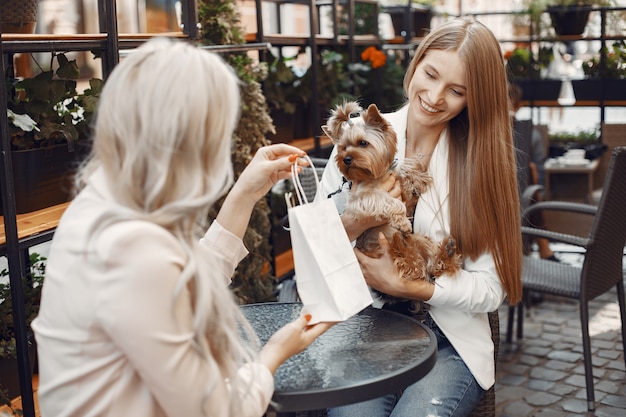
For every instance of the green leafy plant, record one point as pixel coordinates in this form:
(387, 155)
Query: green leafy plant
(47, 109)
(284, 89)
(521, 64)
(221, 25)
(614, 64)
(580, 137)
(31, 285)
(540, 20)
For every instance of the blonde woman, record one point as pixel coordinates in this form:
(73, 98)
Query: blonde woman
(456, 120)
(136, 318)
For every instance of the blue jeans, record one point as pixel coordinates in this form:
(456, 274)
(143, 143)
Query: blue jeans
(449, 390)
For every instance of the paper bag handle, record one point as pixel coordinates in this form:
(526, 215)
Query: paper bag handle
(302, 199)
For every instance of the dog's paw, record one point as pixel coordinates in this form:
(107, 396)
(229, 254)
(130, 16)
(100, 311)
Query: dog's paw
(450, 246)
(448, 261)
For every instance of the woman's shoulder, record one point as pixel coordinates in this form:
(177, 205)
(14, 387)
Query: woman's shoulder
(398, 116)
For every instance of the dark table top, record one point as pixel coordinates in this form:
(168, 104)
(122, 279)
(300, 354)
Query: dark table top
(374, 353)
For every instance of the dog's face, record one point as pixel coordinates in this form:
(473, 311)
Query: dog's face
(366, 147)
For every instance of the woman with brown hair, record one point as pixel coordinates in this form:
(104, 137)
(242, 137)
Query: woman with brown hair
(456, 121)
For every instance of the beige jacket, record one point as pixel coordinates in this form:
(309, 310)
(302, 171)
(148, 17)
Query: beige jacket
(111, 339)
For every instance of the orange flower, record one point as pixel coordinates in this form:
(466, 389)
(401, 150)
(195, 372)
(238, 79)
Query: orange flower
(375, 56)
(508, 54)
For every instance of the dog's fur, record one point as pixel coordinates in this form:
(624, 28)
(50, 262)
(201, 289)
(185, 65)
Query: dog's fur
(366, 150)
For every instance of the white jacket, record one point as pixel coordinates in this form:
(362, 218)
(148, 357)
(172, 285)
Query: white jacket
(111, 339)
(460, 303)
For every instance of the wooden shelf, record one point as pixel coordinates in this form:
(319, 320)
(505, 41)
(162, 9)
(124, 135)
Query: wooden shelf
(16, 403)
(29, 224)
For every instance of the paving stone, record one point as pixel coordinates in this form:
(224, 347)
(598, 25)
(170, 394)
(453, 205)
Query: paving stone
(618, 365)
(513, 380)
(605, 336)
(548, 413)
(509, 394)
(562, 389)
(576, 380)
(574, 406)
(607, 386)
(558, 365)
(599, 362)
(519, 408)
(537, 351)
(541, 399)
(563, 356)
(610, 354)
(608, 412)
(615, 401)
(538, 385)
(529, 360)
(517, 369)
(547, 375)
(616, 376)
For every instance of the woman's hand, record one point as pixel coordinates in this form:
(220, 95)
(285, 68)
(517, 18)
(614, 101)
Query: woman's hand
(270, 164)
(354, 227)
(289, 340)
(382, 275)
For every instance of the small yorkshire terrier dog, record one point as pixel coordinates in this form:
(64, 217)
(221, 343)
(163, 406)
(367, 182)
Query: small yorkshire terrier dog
(366, 149)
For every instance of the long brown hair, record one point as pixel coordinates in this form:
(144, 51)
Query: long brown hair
(484, 199)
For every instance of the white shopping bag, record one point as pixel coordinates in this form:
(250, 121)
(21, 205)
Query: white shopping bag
(328, 276)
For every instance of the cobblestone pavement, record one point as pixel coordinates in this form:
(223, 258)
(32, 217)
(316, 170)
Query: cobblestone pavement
(543, 374)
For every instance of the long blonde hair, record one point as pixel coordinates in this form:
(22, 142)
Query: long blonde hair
(163, 138)
(484, 199)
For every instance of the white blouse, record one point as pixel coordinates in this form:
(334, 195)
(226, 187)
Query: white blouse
(460, 303)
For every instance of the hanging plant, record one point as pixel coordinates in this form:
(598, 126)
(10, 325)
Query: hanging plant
(221, 25)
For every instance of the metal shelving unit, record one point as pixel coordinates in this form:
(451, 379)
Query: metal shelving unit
(16, 240)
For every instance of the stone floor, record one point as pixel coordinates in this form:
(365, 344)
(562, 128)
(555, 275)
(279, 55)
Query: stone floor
(543, 375)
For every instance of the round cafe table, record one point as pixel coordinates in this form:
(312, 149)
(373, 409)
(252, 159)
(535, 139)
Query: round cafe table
(374, 353)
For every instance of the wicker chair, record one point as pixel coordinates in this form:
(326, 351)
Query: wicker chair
(602, 265)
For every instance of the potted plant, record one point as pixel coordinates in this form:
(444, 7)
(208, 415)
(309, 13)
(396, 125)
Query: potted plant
(253, 280)
(527, 72)
(588, 139)
(568, 17)
(32, 296)
(49, 124)
(416, 13)
(285, 94)
(606, 79)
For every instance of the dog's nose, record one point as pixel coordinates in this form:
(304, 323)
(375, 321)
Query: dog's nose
(347, 160)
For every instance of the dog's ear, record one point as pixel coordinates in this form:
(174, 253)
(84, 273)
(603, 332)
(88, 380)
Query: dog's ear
(373, 118)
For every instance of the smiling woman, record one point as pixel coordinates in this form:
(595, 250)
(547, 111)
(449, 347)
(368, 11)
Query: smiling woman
(456, 76)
